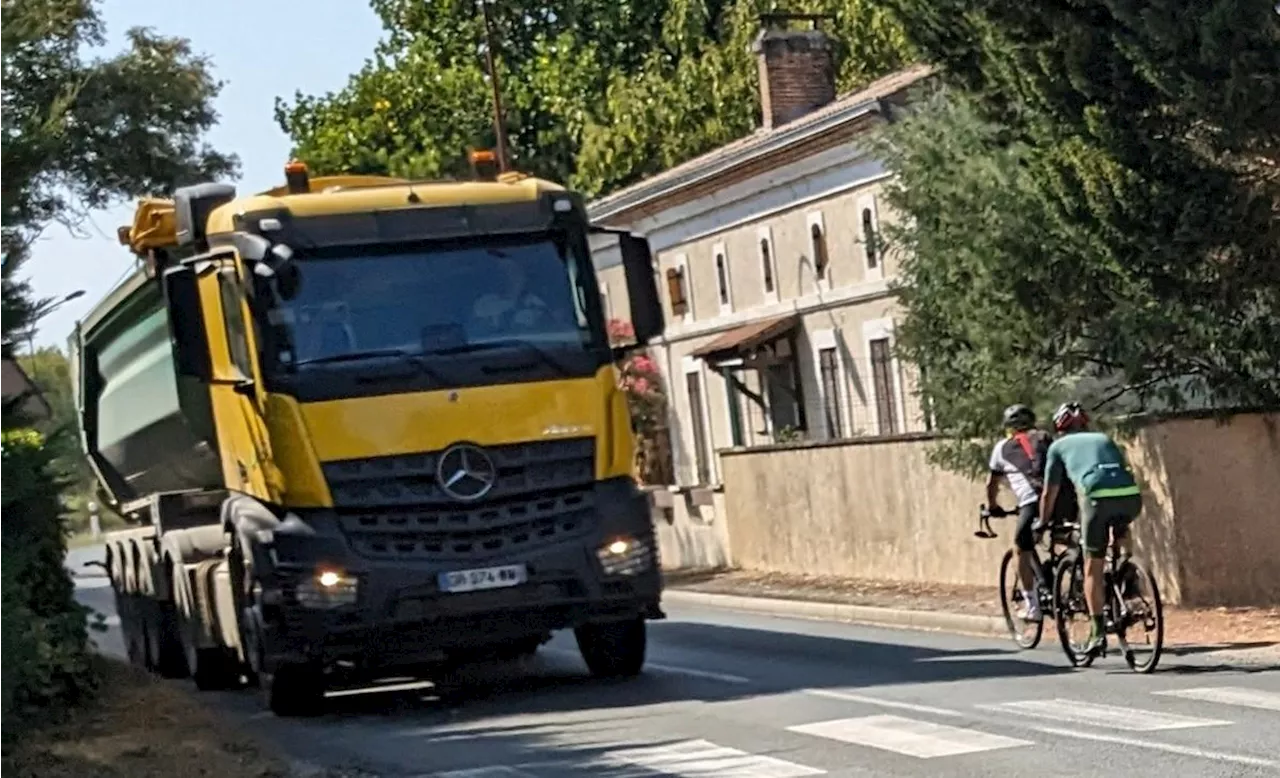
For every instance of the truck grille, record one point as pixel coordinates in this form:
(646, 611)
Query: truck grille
(393, 507)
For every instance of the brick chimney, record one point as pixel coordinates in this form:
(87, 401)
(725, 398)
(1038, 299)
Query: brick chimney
(797, 74)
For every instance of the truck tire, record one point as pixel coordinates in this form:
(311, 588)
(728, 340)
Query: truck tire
(215, 669)
(170, 660)
(135, 640)
(296, 689)
(613, 649)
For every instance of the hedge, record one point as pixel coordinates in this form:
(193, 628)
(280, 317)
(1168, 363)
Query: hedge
(48, 659)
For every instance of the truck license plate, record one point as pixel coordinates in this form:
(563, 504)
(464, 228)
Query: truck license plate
(483, 578)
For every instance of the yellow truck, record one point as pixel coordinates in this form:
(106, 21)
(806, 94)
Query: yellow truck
(367, 426)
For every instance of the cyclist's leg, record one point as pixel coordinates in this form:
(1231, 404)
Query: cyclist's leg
(1025, 542)
(1093, 541)
(1122, 514)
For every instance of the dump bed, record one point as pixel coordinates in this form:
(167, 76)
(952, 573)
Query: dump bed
(143, 428)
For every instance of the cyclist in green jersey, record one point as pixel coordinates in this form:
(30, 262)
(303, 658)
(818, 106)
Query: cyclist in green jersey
(1108, 496)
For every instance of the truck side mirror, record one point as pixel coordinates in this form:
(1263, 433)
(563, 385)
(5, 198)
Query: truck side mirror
(186, 323)
(646, 307)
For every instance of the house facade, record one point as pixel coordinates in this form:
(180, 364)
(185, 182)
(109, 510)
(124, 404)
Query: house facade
(780, 314)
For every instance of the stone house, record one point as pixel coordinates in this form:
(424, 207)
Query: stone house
(780, 314)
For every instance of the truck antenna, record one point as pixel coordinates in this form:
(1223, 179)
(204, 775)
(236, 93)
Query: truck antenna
(499, 127)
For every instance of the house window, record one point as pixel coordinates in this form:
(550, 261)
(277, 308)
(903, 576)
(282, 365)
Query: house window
(701, 450)
(870, 239)
(766, 263)
(722, 279)
(829, 373)
(882, 380)
(733, 396)
(784, 398)
(677, 291)
(821, 259)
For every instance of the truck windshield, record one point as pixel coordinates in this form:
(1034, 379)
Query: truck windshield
(531, 295)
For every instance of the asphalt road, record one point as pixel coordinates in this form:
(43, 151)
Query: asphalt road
(731, 695)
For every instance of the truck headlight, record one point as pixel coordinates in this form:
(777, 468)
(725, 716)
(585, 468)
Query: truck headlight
(328, 588)
(625, 556)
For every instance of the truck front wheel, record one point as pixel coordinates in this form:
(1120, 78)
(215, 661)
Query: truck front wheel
(296, 689)
(613, 649)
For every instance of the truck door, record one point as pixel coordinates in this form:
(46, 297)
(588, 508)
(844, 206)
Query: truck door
(237, 393)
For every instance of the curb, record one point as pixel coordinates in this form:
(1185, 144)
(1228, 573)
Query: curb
(932, 621)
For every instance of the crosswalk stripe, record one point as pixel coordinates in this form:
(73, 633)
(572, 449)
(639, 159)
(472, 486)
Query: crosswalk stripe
(704, 759)
(92, 582)
(922, 739)
(1228, 695)
(1102, 716)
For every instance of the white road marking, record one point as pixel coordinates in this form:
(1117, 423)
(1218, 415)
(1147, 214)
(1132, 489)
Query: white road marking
(695, 673)
(704, 759)
(921, 739)
(92, 582)
(1228, 695)
(1244, 759)
(670, 669)
(387, 687)
(1101, 716)
(497, 771)
(837, 694)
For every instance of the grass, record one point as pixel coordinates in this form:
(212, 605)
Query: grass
(140, 727)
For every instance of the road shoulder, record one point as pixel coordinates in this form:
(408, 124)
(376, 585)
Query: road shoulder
(1248, 635)
(141, 727)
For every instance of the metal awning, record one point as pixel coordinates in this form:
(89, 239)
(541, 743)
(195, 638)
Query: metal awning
(742, 341)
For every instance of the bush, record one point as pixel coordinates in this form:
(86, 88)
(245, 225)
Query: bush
(640, 379)
(47, 654)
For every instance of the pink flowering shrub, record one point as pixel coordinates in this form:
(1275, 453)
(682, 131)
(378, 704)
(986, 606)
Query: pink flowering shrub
(638, 376)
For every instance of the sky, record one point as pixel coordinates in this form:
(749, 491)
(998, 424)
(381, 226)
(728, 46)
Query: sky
(261, 49)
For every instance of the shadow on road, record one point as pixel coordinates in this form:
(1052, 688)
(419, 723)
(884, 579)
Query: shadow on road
(770, 662)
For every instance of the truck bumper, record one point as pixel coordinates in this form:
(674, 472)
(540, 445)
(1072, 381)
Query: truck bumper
(418, 624)
(401, 614)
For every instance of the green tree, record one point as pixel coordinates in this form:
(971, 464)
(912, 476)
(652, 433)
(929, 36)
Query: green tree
(1094, 204)
(50, 370)
(597, 94)
(699, 89)
(78, 134)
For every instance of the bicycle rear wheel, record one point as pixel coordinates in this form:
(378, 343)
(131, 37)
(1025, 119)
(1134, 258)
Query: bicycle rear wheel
(1135, 599)
(1071, 610)
(1025, 633)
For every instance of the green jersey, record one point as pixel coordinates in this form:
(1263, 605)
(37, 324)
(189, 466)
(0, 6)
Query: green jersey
(1092, 462)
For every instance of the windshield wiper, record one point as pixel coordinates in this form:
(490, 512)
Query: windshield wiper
(409, 357)
(357, 356)
(487, 345)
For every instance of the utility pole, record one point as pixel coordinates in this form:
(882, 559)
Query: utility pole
(499, 126)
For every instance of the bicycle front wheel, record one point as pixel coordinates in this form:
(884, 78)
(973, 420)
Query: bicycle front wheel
(1025, 633)
(1073, 622)
(1135, 598)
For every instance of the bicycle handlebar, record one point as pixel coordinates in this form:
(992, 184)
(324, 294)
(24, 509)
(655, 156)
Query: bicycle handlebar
(985, 515)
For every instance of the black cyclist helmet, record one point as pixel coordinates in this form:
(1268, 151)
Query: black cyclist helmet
(1019, 417)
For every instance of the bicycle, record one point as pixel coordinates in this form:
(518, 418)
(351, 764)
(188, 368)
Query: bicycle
(1122, 580)
(1058, 541)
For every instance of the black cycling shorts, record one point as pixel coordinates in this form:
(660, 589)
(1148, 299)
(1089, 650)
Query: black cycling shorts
(1023, 537)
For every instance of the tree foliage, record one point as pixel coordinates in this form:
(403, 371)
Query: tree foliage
(81, 133)
(77, 134)
(597, 94)
(1093, 203)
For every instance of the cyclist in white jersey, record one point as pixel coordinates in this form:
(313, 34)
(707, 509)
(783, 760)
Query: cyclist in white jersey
(1019, 459)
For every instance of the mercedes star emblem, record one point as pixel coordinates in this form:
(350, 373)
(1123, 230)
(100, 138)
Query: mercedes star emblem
(465, 472)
